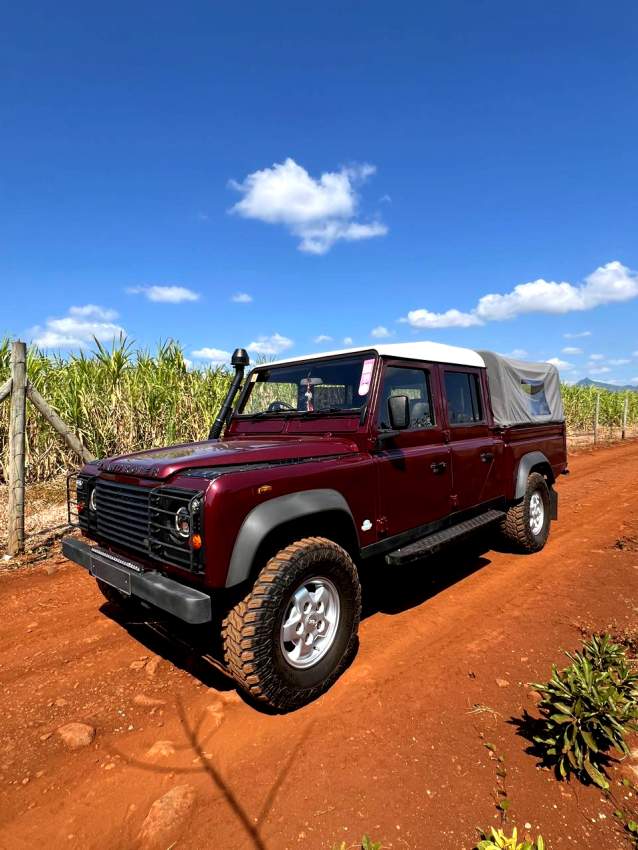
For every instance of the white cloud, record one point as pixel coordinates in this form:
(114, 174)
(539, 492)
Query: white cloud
(165, 294)
(612, 282)
(516, 354)
(633, 380)
(571, 349)
(380, 332)
(322, 338)
(580, 335)
(318, 212)
(450, 319)
(78, 329)
(93, 311)
(242, 298)
(347, 340)
(596, 357)
(274, 344)
(561, 365)
(599, 370)
(215, 355)
(619, 361)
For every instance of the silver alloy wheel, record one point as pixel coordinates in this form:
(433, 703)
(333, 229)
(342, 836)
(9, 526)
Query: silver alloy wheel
(536, 513)
(311, 621)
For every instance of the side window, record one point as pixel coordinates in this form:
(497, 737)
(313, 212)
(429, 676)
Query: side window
(415, 384)
(463, 398)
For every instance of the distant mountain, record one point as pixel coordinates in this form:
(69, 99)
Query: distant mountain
(616, 388)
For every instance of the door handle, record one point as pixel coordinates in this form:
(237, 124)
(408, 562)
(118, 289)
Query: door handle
(438, 467)
(487, 457)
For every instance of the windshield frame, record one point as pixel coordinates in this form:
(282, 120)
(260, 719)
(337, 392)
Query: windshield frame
(282, 415)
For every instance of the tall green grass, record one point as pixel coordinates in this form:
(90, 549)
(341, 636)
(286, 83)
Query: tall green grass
(122, 399)
(116, 399)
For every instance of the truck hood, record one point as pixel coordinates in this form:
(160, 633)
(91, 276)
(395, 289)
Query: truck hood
(162, 463)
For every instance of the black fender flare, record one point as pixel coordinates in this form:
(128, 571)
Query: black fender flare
(525, 465)
(264, 518)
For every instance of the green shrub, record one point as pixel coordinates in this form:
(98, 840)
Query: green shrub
(497, 840)
(588, 708)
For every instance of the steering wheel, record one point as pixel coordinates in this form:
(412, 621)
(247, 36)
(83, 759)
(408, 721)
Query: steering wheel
(276, 406)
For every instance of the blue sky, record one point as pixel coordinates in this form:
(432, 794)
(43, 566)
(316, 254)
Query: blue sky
(352, 168)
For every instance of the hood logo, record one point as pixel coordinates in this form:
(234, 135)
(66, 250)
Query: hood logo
(127, 467)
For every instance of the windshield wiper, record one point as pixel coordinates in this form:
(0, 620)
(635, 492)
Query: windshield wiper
(269, 413)
(322, 410)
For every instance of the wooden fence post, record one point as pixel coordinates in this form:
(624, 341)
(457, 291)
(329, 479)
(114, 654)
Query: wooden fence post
(596, 417)
(625, 411)
(54, 420)
(5, 390)
(17, 426)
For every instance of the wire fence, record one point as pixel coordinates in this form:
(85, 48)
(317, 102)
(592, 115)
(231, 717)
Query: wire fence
(119, 399)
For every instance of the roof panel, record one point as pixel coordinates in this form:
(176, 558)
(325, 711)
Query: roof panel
(433, 352)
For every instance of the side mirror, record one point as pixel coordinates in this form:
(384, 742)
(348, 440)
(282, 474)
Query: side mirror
(399, 411)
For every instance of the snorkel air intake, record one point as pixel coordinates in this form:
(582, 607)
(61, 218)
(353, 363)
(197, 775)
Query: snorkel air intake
(239, 361)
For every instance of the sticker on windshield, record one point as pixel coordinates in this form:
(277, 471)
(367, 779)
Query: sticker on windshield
(366, 376)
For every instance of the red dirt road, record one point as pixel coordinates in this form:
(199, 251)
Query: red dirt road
(395, 749)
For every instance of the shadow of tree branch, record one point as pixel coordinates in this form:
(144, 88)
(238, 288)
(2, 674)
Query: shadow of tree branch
(251, 826)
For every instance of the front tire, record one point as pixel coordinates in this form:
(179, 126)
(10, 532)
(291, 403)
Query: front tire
(527, 523)
(293, 635)
(115, 596)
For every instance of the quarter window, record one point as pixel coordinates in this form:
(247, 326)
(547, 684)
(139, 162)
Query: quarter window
(463, 398)
(413, 383)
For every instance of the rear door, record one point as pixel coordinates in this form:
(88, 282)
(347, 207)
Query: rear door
(475, 450)
(413, 465)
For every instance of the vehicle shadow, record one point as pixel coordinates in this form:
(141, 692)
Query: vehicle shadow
(385, 589)
(391, 590)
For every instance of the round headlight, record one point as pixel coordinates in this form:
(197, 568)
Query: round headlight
(183, 522)
(92, 503)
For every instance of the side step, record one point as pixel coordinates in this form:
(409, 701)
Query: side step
(434, 542)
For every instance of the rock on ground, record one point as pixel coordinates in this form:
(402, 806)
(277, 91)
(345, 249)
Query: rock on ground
(76, 735)
(161, 749)
(167, 818)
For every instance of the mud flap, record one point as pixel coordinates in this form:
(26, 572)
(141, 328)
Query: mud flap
(553, 503)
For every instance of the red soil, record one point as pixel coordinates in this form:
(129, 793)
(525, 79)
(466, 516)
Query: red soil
(395, 749)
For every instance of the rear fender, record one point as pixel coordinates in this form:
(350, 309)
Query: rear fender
(532, 461)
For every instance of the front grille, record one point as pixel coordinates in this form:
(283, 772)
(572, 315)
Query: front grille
(142, 520)
(122, 514)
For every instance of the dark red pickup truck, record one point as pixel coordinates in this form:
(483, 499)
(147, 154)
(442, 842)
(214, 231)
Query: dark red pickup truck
(326, 462)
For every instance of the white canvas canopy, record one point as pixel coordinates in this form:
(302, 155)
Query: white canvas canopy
(523, 393)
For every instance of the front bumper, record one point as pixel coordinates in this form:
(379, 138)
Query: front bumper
(185, 602)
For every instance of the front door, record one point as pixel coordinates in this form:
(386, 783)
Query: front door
(414, 471)
(476, 451)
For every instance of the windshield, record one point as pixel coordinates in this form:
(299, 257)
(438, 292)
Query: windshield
(319, 386)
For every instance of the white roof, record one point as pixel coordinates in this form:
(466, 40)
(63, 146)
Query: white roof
(433, 352)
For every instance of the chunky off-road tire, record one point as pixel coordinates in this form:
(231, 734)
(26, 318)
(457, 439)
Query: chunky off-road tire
(254, 648)
(526, 524)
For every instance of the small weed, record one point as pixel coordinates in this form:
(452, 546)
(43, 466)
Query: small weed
(366, 844)
(500, 792)
(588, 708)
(496, 839)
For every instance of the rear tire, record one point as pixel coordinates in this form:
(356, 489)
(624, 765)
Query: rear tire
(527, 523)
(293, 635)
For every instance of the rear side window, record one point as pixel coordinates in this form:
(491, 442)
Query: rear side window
(463, 398)
(536, 399)
(413, 383)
